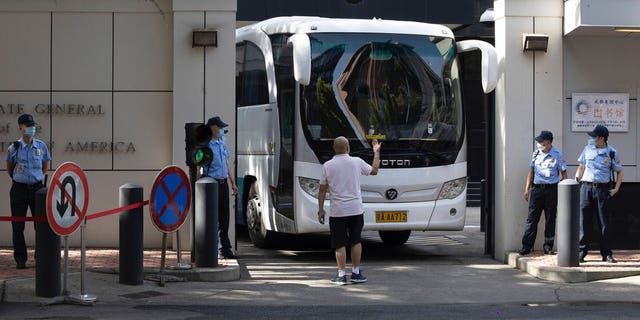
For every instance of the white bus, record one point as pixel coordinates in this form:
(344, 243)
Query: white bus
(303, 81)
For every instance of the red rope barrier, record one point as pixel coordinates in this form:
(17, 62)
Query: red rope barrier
(23, 219)
(89, 217)
(116, 210)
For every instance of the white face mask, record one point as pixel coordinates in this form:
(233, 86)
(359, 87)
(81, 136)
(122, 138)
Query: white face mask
(591, 141)
(539, 146)
(30, 131)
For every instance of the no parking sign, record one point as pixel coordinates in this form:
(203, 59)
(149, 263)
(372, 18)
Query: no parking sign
(170, 199)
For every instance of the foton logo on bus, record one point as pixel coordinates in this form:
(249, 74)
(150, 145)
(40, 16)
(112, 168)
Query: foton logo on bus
(395, 163)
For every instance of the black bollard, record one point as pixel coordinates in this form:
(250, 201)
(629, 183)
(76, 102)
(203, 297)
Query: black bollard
(568, 224)
(47, 251)
(131, 236)
(206, 230)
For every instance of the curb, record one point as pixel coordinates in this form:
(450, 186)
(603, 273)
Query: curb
(539, 270)
(230, 271)
(227, 271)
(105, 282)
(3, 290)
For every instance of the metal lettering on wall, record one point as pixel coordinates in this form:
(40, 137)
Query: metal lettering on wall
(11, 111)
(99, 146)
(76, 109)
(41, 108)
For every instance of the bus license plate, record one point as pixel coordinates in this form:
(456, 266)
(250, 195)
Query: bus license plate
(391, 216)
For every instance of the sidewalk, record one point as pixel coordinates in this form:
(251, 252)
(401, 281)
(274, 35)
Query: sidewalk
(473, 276)
(546, 266)
(107, 261)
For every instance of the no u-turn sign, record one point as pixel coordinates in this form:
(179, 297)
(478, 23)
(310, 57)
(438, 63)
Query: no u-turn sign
(67, 199)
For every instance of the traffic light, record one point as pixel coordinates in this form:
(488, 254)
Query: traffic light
(197, 144)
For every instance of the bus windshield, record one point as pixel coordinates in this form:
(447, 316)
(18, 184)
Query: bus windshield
(401, 89)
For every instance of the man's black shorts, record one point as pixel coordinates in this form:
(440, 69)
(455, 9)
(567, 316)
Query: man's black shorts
(345, 230)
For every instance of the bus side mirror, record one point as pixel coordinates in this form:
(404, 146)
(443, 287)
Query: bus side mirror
(301, 57)
(489, 61)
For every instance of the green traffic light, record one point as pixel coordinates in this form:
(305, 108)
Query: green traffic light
(197, 148)
(199, 156)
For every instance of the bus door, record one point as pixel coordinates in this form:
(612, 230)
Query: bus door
(282, 194)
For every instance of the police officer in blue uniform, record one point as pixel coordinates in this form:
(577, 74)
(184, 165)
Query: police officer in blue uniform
(597, 162)
(547, 168)
(220, 170)
(27, 162)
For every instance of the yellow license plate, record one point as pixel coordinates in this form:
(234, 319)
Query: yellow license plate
(391, 216)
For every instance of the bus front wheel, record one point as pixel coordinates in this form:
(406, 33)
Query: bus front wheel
(259, 235)
(394, 238)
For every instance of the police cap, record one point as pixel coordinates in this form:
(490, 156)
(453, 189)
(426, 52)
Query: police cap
(27, 120)
(544, 135)
(217, 122)
(599, 131)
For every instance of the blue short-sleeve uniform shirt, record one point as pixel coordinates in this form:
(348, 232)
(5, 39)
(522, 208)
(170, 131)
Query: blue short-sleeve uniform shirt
(547, 167)
(218, 167)
(598, 163)
(27, 160)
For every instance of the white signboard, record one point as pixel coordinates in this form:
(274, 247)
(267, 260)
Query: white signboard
(608, 109)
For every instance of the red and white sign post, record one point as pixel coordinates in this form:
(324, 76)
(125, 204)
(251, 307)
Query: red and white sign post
(67, 203)
(169, 207)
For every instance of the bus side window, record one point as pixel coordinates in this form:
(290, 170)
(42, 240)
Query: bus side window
(251, 76)
(239, 71)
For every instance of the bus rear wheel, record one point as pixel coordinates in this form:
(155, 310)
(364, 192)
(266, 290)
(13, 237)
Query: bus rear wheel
(260, 236)
(394, 238)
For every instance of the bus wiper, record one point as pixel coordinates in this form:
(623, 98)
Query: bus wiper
(396, 152)
(361, 152)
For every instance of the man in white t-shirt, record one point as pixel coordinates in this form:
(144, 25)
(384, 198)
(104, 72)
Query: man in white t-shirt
(341, 177)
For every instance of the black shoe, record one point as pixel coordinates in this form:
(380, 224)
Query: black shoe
(228, 255)
(524, 252)
(358, 277)
(21, 265)
(549, 252)
(609, 259)
(582, 256)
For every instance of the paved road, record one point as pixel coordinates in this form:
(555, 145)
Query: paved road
(442, 275)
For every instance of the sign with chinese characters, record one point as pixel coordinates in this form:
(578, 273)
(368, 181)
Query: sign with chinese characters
(608, 109)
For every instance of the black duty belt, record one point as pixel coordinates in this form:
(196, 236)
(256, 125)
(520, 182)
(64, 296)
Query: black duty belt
(30, 186)
(596, 184)
(221, 181)
(545, 185)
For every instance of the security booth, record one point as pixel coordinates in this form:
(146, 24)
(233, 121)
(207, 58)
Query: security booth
(600, 86)
(554, 54)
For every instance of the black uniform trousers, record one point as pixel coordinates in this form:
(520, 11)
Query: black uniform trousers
(223, 215)
(541, 197)
(22, 197)
(594, 199)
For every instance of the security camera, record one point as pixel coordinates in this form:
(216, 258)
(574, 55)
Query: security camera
(487, 17)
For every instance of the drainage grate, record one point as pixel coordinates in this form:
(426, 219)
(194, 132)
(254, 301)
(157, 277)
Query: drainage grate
(422, 240)
(61, 318)
(143, 294)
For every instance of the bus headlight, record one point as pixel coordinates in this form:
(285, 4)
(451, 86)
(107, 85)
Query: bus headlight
(310, 186)
(453, 188)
